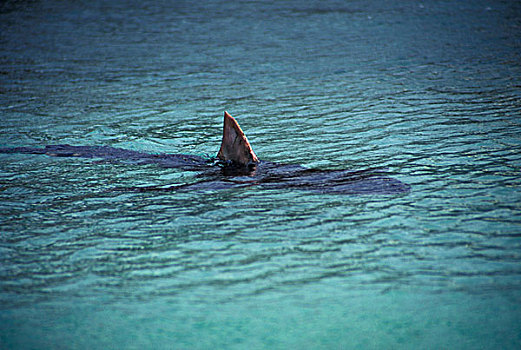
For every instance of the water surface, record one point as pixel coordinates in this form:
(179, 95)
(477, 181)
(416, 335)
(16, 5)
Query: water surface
(430, 91)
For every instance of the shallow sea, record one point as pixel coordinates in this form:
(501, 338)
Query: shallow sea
(430, 90)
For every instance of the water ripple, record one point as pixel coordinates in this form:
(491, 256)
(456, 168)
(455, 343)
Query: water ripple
(440, 114)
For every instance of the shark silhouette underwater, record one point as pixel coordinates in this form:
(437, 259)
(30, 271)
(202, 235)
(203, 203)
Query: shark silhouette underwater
(236, 165)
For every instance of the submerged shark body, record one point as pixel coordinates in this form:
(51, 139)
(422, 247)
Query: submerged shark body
(236, 165)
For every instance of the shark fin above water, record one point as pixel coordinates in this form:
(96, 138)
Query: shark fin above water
(235, 148)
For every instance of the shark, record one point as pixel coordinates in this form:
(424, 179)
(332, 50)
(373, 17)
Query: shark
(236, 165)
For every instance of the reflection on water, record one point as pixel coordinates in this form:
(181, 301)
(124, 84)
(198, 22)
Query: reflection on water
(430, 92)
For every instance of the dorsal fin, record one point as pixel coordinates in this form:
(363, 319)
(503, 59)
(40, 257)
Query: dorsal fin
(235, 147)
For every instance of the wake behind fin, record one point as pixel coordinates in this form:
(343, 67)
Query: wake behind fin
(235, 147)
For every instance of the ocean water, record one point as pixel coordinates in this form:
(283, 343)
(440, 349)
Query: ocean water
(430, 91)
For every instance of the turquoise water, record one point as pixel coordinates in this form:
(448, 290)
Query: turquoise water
(430, 91)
